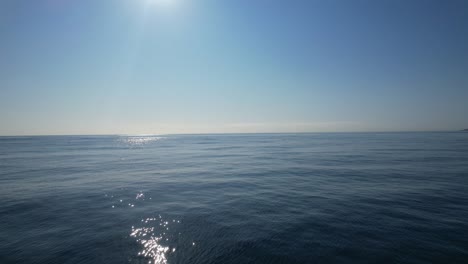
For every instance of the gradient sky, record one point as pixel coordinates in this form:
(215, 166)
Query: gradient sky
(213, 66)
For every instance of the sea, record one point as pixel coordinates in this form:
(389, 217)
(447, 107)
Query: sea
(235, 198)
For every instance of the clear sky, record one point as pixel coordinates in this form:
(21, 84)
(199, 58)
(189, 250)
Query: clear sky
(213, 66)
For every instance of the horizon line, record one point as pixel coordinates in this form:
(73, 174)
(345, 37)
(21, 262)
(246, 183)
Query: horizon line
(234, 133)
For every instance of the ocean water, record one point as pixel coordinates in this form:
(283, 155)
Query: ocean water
(245, 198)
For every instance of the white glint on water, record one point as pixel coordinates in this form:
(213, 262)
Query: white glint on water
(147, 236)
(139, 140)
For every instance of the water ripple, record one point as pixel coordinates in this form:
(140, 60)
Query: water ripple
(151, 236)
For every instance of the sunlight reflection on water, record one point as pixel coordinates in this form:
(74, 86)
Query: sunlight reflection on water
(140, 140)
(148, 237)
(152, 233)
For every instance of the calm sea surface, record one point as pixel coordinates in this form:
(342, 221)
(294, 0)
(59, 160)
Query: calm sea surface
(263, 198)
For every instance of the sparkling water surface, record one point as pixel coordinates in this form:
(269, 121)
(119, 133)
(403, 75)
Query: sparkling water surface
(245, 198)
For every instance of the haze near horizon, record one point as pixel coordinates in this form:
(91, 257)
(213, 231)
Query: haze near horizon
(206, 66)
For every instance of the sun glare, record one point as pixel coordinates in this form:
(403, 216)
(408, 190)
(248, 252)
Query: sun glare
(161, 2)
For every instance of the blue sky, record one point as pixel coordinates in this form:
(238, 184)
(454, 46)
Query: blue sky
(219, 66)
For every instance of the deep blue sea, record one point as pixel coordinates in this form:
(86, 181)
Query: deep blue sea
(240, 198)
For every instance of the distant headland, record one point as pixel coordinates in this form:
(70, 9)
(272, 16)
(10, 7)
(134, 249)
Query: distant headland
(465, 130)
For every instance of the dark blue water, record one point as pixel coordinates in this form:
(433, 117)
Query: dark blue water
(271, 198)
